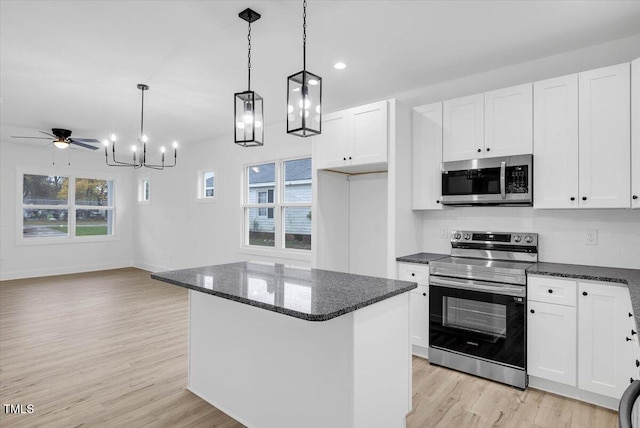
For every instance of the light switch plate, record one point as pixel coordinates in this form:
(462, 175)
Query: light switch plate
(591, 237)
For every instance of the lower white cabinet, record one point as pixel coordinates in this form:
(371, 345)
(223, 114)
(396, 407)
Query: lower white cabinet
(551, 342)
(588, 342)
(419, 301)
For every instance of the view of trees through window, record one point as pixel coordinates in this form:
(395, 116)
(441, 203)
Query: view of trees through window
(66, 206)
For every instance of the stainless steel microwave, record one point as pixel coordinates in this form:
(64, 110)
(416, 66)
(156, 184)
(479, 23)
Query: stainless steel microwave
(489, 181)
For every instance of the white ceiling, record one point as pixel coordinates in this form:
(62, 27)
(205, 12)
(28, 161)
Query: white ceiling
(75, 64)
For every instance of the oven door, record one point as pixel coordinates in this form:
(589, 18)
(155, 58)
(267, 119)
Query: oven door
(479, 319)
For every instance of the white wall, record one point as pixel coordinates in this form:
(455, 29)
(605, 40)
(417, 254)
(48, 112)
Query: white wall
(22, 261)
(176, 231)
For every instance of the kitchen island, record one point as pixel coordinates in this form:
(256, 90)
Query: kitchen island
(275, 345)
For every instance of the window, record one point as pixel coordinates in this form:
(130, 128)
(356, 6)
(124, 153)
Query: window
(277, 205)
(206, 185)
(66, 207)
(144, 190)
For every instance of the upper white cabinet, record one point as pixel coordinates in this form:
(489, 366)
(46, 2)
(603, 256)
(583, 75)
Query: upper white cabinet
(508, 121)
(555, 148)
(496, 123)
(426, 154)
(353, 140)
(581, 140)
(463, 128)
(635, 133)
(604, 123)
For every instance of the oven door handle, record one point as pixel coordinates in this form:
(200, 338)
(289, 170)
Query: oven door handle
(473, 285)
(503, 181)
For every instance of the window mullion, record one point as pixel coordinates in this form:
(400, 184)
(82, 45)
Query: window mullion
(71, 200)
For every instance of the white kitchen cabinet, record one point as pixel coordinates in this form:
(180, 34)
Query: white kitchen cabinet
(606, 344)
(551, 342)
(604, 123)
(555, 147)
(635, 133)
(419, 301)
(581, 140)
(426, 154)
(463, 120)
(353, 140)
(508, 121)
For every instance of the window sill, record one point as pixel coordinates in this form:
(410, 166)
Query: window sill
(65, 240)
(301, 256)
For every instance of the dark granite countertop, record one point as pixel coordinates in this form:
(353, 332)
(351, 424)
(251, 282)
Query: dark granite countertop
(305, 293)
(615, 276)
(422, 258)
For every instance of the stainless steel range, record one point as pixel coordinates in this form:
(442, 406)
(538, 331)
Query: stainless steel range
(477, 314)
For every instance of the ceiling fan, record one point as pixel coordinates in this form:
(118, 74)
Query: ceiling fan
(62, 139)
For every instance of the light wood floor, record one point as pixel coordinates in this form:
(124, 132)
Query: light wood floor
(109, 349)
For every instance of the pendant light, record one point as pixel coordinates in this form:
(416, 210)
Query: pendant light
(247, 111)
(304, 94)
(138, 161)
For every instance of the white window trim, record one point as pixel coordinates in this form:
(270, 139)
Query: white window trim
(200, 188)
(141, 181)
(72, 174)
(278, 251)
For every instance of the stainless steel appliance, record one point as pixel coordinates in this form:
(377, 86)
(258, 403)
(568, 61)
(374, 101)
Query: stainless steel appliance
(477, 313)
(488, 181)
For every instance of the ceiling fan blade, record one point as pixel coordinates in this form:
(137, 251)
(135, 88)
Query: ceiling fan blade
(47, 133)
(86, 146)
(86, 140)
(33, 138)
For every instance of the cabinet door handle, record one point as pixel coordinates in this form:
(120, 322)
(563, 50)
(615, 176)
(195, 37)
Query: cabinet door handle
(344, 158)
(424, 294)
(628, 339)
(635, 196)
(437, 201)
(630, 314)
(573, 198)
(349, 157)
(532, 311)
(630, 380)
(488, 149)
(413, 274)
(584, 198)
(637, 363)
(584, 293)
(633, 332)
(479, 150)
(550, 291)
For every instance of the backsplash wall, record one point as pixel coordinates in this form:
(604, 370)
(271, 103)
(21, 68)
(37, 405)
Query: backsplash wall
(561, 233)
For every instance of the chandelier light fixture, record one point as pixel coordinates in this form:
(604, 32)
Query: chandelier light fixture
(304, 94)
(247, 111)
(139, 160)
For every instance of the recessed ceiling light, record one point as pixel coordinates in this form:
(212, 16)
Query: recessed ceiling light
(339, 65)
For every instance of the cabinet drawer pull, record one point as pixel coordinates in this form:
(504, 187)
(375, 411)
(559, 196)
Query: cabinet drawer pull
(628, 339)
(424, 294)
(349, 157)
(573, 198)
(633, 332)
(550, 291)
(479, 150)
(413, 274)
(344, 158)
(637, 363)
(488, 149)
(584, 198)
(635, 196)
(437, 201)
(532, 311)
(584, 293)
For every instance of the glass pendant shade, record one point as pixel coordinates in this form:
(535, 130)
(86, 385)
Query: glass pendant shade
(248, 119)
(304, 104)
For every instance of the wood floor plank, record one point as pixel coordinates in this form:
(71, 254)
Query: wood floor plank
(109, 348)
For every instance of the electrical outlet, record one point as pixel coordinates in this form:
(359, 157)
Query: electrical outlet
(444, 232)
(591, 237)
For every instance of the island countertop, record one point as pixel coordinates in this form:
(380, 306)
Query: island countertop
(305, 293)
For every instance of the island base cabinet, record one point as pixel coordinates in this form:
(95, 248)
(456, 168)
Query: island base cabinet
(551, 342)
(267, 369)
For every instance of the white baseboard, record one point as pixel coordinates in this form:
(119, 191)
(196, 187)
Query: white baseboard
(420, 351)
(573, 392)
(150, 267)
(61, 270)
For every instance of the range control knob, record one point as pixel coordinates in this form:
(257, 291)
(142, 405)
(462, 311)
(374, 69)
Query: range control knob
(517, 238)
(467, 236)
(456, 235)
(528, 239)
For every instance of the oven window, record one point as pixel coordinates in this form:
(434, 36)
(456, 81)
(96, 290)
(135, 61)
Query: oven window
(484, 181)
(486, 318)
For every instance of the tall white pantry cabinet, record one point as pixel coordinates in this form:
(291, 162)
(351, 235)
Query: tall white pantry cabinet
(635, 133)
(582, 140)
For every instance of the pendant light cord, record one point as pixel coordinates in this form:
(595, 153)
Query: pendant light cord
(304, 35)
(249, 59)
(142, 116)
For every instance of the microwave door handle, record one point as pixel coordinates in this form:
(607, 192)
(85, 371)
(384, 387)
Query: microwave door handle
(503, 184)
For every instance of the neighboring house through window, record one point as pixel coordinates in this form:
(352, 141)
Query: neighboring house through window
(278, 204)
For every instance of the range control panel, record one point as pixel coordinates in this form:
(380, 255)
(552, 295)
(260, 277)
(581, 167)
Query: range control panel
(506, 238)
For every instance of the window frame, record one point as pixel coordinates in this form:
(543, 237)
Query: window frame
(275, 208)
(70, 206)
(201, 188)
